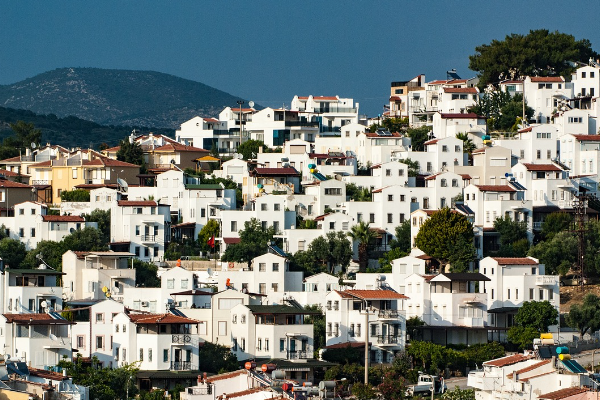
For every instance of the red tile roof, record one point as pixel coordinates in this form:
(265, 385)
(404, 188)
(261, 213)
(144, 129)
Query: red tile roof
(12, 159)
(505, 361)
(531, 367)
(535, 376)
(174, 147)
(374, 294)
(136, 203)
(109, 162)
(244, 392)
(62, 218)
(563, 393)
(345, 345)
(465, 176)
(330, 98)
(232, 240)
(587, 138)
(461, 116)
(460, 90)
(542, 167)
(547, 79)
(515, 261)
(34, 319)
(160, 319)
(321, 217)
(495, 188)
(276, 171)
(528, 129)
(212, 120)
(51, 375)
(456, 81)
(10, 173)
(432, 141)
(42, 164)
(227, 375)
(10, 184)
(432, 177)
(395, 98)
(437, 82)
(375, 135)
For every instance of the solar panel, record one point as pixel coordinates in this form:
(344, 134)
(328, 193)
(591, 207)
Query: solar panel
(177, 312)
(574, 366)
(55, 315)
(517, 185)
(544, 352)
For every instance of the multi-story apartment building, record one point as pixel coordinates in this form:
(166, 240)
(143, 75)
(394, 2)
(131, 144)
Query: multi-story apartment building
(374, 316)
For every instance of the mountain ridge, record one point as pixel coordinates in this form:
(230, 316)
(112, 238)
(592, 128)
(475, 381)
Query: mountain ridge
(116, 96)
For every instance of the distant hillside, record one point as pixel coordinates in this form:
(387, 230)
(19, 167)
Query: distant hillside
(70, 131)
(116, 97)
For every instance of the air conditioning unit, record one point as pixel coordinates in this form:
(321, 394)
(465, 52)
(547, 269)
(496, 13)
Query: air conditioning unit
(145, 304)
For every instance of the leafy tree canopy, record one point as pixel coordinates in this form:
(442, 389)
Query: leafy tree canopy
(585, 317)
(207, 232)
(364, 235)
(418, 137)
(513, 237)
(102, 217)
(12, 252)
(533, 318)
(356, 193)
(447, 236)
(131, 153)
(559, 254)
(539, 53)
(76, 195)
(254, 242)
(146, 273)
(393, 124)
(413, 166)
(216, 358)
(555, 223)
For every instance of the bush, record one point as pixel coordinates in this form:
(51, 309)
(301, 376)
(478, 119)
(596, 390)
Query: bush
(76, 195)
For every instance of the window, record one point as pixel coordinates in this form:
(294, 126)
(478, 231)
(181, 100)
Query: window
(21, 211)
(516, 294)
(508, 294)
(263, 207)
(266, 344)
(282, 345)
(259, 344)
(33, 211)
(170, 283)
(141, 354)
(388, 172)
(444, 149)
(429, 166)
(344, 226)
(444, 183)
(234, 344)
(100, 317)
(359, 217)
(165, 355)
(275, 267)
(137, 251)
(124, 328)
(402, 218)
(137, 230)
(332, 225)
(21, 232)
(124, 353)
(262, 267)
(274, 287)
(390, 218)
(372, 218)
(184, 283)
(402, 197)
(492, 294)
(32, 232)
(333, 191)
(117, 328)
(99, 342)
(400, 172)
(156, 251)
(233, 226)
(262, 288)
(222, 328)
(276, 207)
(541, 295)
(390, 197)
(443, 202)
(81, 342)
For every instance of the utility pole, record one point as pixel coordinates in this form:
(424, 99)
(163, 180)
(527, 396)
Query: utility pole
(580, 205)
(240, 103)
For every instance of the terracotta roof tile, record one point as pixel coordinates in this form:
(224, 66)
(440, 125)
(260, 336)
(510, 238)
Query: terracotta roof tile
(530, 368)
(10, 184)
(495, 188)
(375, 135)
(10, 173)
(62, 218)
(587, 138)
(563, 393)
(547, 79)
(51, 375)
(109, 162)
(535, 376)
(226, 375)
(332, 98)
(136, 203)
(244, 392)
(35, 319)
(460, 90)
(515, 261)
(174, 147)
(542, 167)
(505, 361)
(160, 319)
(432, 141)
(374, 294)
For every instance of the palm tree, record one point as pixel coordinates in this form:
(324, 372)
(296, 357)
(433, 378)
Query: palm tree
(362, 234)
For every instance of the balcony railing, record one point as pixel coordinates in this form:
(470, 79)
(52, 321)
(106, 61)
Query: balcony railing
(537, 225)
(40, 182)
(300, 355)
(546, 280)
(388, 314)
(200, 390)
(387, 339)
(148, 238)
(181, 339)
(182, 366)
(302, 124)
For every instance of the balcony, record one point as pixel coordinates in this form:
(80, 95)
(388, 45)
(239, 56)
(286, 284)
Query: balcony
(302, 124)
(546, 280)
(182, 366)
(300, 355)
(199, 390)
(40, 182)
(388, 314)
(537, 225)
(181, 339)
(148, 238)
(388, 340)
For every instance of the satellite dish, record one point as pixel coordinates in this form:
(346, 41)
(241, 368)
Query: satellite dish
(42, 266)
(72, 230)
(44, 304)
(116, 290)
(209, 271)
(33, 145)
(251, 103)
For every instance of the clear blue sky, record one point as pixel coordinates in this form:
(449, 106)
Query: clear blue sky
(268, 51)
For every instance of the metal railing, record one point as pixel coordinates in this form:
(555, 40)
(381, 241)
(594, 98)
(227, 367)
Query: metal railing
(387, 339)
(181, 339)
(302, 124)
(182, 366)
(200, 390)
(388, 314)
(300, 354)
(148, 238)
(36, 182)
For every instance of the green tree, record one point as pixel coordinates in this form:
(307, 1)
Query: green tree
(459, 394)
(402, 239)
(413, 166)
(418, 137)
(392, 124)
(86, 239)
(539, 53)
(585, 317)
(555, 223)
(513, 237)
(392, 387)
(250, 148)
(468, 145)
(132, 153)
(254, 242)
(76, 195)
(146, 273)
(477, 354)
(532, 319)
(345, 355)
(558, 254)
(318, 323)
(412, 327)
(356, 193)
(216, 358)
(12, 252)
(364, 235)
(440, 233)
(363, 391)
(27, 134)
(211, 229)
(50, 251)
(102, 217)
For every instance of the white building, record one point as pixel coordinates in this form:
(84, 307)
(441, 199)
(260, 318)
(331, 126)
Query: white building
(544, 95)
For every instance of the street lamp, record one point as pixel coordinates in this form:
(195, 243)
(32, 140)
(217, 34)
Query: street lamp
(367, 311)
(335, 386)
